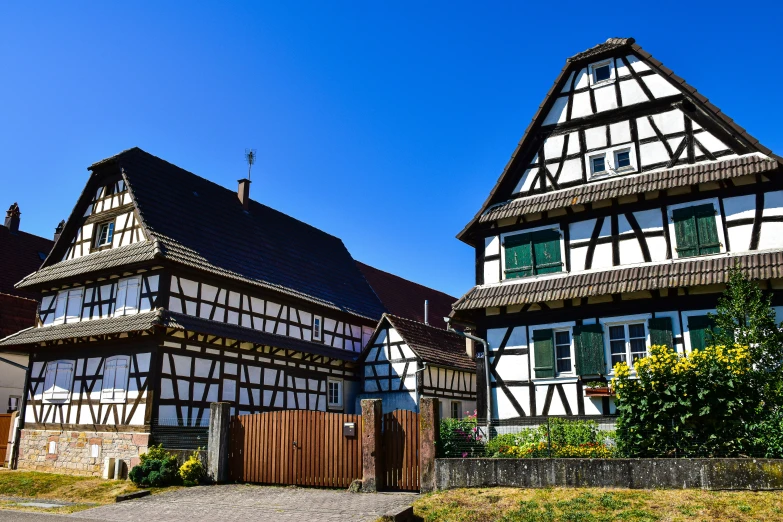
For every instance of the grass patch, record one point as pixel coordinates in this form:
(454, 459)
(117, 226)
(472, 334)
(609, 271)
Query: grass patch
(84, 492)
(597, 505)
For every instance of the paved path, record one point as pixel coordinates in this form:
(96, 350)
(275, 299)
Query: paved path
(245, 502)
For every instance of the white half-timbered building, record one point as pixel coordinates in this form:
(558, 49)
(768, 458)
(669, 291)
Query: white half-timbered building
(613, 227)
(165, 292)
(406, 360)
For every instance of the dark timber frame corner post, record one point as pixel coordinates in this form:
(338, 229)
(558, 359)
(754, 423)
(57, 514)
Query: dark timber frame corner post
(217, 452)
(429, 431)
(372, 474)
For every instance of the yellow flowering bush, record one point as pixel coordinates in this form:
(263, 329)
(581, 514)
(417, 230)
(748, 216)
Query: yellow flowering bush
(685, 405)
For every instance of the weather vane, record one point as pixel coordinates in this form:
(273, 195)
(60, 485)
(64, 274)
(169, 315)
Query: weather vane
(250, 156)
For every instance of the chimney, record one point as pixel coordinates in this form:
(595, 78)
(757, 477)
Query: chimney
(59, 230)
(426, 312)
(244, 193)
(12, 218)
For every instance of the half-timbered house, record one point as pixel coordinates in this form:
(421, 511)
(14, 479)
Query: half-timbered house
(406, 360)
(614, 227)
(166, 292)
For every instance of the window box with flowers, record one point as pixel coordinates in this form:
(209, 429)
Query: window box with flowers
(598, 389)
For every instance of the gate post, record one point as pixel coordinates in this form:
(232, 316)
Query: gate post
(372, 474)
(429, 432)
(217, 449)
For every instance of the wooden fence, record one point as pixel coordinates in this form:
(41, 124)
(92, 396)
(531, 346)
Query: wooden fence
(296, 447)
(401, 450)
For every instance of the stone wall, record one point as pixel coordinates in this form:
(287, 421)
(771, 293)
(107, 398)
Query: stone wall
(713, 474)
(74, 451)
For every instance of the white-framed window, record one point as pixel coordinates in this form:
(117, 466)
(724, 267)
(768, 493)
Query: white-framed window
(68, 305)
(622, 160)
(105, 234)
(115, 379)
(95, 450)
(627, 342)
(128, 294)
(602, 72)
(334, 393)
(456, 409)
(52, 447)
(598, 164)
(564, 360)
(318, 324)
(57, 382)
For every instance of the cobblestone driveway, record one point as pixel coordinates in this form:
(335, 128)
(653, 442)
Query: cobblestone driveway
(259, 503)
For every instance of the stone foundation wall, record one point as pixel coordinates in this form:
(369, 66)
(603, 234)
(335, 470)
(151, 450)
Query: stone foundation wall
(73, 451)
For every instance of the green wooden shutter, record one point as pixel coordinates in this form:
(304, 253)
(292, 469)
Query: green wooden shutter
(519, 256)
(707, 229)
(546, 251)
(661, 331)
(544, 352)
(589, 345)
(685, 232)
(699, 330)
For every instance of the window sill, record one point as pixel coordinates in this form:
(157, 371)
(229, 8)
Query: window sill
(602, 83)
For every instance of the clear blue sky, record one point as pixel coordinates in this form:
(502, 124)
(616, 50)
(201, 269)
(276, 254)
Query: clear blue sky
(383, 123)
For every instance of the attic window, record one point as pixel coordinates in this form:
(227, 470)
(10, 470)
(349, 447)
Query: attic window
(601, 72)
(597, 164)
(105, 234)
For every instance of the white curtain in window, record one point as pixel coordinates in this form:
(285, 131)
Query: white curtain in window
(59, 307)
(127, 296)
(73, 311)
(57, 383)
(115, 378)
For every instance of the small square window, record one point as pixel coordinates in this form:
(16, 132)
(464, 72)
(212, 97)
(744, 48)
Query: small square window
(105, 234)
(622, 159)
(602, 73)
(598, 164)
(52, 447)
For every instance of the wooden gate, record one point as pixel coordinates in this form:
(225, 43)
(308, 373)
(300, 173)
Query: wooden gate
(5, 434)
(295, 447)
(401, 450)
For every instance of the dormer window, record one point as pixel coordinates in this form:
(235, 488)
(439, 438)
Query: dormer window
(598, 164)
(601, 72)
(105, 234)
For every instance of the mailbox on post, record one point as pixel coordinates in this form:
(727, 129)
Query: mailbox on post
(349, 429)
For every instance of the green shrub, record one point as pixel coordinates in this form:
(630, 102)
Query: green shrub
(158, 469)
(192, 471)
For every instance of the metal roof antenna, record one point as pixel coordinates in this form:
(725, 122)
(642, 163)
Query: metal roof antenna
(250, 157)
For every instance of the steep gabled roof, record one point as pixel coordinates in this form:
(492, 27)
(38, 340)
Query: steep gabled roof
(194, 222)
(405, 298)
(432, 345)
(505, 183)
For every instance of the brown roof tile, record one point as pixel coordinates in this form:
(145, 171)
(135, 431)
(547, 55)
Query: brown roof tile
(673, 274)
(405, 298)
(628, 185)
(433, 345)
(22, 254)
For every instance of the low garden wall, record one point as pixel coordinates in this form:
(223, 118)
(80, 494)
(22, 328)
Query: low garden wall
(714, 473)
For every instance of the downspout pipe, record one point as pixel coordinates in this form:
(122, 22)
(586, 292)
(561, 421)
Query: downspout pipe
(486, 367)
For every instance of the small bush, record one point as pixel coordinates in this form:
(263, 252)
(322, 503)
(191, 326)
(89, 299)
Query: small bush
(158, 469)
(192, 471)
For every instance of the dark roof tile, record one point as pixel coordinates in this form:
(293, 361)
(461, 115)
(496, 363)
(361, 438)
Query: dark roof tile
(433, 345)
(21, 255)
(673, 274)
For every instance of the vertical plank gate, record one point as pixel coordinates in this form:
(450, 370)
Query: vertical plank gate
(401, 450)
(5, 434)
(295, 447)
